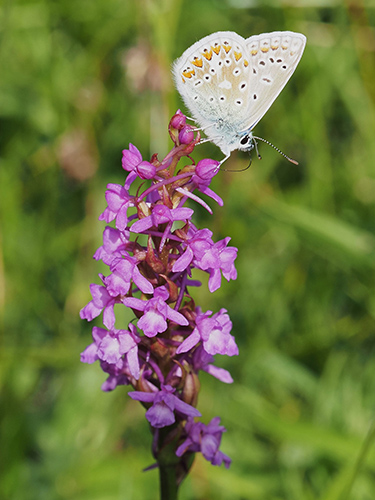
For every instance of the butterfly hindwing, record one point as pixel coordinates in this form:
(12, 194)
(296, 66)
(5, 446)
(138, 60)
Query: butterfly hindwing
(273, 59)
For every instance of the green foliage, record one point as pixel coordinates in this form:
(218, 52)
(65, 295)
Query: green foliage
(79, 81)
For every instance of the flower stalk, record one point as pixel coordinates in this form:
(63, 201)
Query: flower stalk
(151, 249)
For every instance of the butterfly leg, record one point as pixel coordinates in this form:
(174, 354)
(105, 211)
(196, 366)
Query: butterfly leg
(203, 129)
(223, 160)
(206, 139)
(191, 119)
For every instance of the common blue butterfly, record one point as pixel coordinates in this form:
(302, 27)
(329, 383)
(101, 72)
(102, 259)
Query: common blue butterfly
(228, 82)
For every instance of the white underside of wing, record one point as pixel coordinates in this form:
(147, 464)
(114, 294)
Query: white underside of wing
(228, 83)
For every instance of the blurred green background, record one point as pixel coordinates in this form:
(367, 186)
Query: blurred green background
(78, 82)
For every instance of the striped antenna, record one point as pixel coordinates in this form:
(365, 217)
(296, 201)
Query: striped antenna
(274, 147)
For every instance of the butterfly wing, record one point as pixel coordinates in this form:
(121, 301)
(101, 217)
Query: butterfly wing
(273, 59)
(212, 77)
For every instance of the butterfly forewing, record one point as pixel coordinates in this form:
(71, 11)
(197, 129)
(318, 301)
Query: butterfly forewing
(212, 76)
(273, 58)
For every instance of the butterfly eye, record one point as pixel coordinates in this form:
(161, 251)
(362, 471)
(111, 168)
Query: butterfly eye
(245, 140)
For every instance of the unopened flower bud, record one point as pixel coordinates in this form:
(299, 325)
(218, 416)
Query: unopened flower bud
(186, 135)
(131, 158)
(146, 170)
(206, 169)
(191, 389)
(178, 120)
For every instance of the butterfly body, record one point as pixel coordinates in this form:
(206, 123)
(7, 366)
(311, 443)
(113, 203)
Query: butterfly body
(228, 82)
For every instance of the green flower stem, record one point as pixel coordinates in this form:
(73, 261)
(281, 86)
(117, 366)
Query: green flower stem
(168, 482)
(172, 469)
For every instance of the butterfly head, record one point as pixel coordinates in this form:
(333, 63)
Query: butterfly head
(245, 142)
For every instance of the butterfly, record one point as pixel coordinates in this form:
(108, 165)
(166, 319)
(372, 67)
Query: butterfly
(228, 82)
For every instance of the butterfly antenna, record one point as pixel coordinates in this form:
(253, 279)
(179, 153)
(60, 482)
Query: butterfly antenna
(274, 147)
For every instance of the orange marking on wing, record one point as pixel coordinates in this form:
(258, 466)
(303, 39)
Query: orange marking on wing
(274, 47)
(237, 55)
(197, 61)
(207, 54)
(216, 49)
(246, 63)
(183, 79)
(264, 49)
(254, 52)
(227, 48)
(188, 74)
